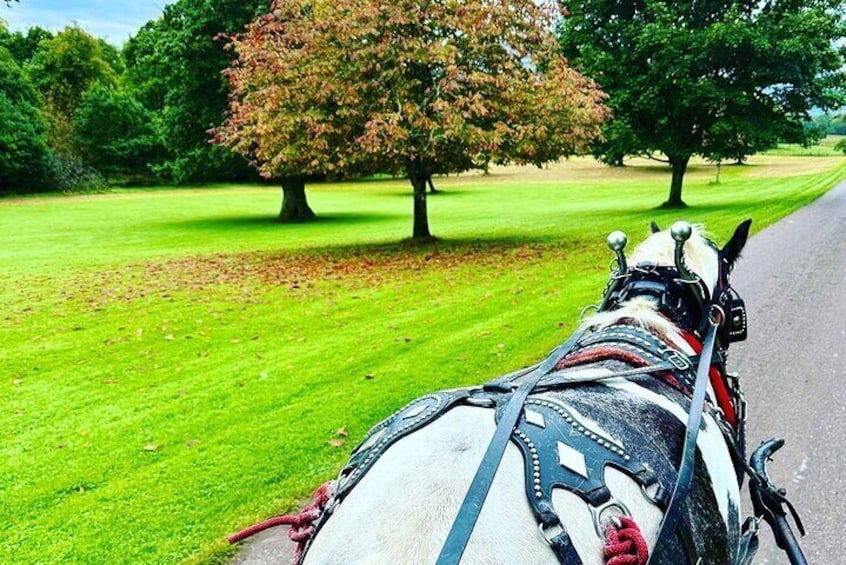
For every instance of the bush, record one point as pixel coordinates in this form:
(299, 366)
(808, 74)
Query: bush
(70, 175)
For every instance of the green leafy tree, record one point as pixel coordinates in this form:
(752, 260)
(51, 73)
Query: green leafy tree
(716, 78)
(113, 132)
(24, 156)
(67, 65)
(23, 46)
(174, 67)
(413, 87)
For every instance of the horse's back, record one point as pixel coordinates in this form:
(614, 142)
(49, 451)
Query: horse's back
(403, 507)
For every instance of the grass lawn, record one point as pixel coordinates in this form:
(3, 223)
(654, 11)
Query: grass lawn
(174, 363)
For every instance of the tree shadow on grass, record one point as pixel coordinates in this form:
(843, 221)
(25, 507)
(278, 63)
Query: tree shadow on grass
(261, 222)
(441, 193)
(461, 246)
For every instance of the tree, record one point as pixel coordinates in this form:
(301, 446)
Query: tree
(113, 132)
(716, 78)
(23, 46)
(412, 86)
(24, 156)
(67, 65)
(174, 68)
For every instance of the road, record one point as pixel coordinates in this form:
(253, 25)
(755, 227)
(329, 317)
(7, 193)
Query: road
(793, 278)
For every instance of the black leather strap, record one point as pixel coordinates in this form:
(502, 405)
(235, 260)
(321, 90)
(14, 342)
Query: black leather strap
(688, 461)
(471, 507)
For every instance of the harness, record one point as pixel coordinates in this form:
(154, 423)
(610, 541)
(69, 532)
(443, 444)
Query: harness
(548, 432)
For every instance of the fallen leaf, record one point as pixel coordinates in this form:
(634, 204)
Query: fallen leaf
(169, 337)
(336, 442)
(17, 382)
(192, 443)
(151, 447)
(343, 432)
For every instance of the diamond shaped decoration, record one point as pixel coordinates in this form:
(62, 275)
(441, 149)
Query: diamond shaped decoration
(416, 411)
(372, 440)
(535, 418)
(572, 459)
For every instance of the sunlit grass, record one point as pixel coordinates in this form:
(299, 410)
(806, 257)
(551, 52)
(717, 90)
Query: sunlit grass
(174, 362)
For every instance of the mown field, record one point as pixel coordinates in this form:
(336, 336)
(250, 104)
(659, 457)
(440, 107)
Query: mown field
(176, 365)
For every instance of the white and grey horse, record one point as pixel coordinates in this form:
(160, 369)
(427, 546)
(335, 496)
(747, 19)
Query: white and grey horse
(598, 444)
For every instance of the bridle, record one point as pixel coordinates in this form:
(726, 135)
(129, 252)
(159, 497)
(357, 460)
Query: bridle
(679, 293)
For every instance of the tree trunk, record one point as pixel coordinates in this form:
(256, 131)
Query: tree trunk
(431, 184)
(421, 217)
(679, 165)
(294, 204)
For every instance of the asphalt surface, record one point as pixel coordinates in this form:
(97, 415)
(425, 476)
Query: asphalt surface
(793, 278)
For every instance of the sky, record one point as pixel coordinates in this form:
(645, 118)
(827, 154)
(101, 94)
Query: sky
(113, 20)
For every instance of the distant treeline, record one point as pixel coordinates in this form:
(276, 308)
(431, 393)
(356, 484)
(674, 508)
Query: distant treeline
(830, 123)
(77, 113)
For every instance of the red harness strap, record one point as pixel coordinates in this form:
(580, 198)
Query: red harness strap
(604, 353)
(717, 383)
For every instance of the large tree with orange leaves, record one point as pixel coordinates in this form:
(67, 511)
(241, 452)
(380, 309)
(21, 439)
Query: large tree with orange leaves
(417, 87)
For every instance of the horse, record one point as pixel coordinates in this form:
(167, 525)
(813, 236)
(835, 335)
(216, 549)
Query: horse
(620, 449)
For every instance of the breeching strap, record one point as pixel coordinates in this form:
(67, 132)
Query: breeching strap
(471, 507)
(688, 461)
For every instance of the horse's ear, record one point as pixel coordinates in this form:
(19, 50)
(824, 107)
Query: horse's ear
(731, 251)
(654, 226)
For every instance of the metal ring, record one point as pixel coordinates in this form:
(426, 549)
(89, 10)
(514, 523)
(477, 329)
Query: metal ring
(598, 523)
(717, 315)
(648, 496)
(543, 531)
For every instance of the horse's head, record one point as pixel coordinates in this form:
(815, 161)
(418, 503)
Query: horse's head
(681, 274)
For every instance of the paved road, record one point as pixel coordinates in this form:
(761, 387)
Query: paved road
(793, 366)
(793, 278)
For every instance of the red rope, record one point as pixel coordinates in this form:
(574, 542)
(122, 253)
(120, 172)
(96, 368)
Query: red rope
(302, 524)
(624, 544)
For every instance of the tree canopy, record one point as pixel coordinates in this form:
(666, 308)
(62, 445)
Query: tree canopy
(413, 87)
(113, 132)
(24, 156)
(67, 65)
(719, 78)
(174, 66)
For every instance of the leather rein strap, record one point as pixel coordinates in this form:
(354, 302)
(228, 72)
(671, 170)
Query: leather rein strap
(471, 507)
(688, 462)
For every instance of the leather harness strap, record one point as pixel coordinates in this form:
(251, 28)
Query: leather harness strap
(471, 507)
(468, 513)
(688, 461)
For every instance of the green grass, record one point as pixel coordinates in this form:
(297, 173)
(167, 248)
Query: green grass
(175, 362)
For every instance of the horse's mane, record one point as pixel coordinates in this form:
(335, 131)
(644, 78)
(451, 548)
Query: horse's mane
(659, 249)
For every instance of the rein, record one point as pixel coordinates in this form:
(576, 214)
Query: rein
(688, 460)
(471, 507)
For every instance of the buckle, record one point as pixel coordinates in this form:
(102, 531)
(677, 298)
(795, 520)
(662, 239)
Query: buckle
(678, 360)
